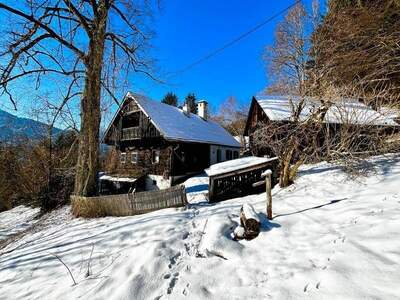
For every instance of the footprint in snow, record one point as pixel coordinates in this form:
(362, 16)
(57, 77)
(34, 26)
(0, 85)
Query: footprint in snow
(185, 291)
(172, 283)
(173, 260)
(185, 235)
(343, 238)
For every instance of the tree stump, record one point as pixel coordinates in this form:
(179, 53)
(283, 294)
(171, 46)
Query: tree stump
(249, 221)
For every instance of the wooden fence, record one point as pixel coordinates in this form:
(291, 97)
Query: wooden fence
(128, 204)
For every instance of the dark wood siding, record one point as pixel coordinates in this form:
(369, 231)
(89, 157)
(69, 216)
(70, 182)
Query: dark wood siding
(130, 124)
(145, 163)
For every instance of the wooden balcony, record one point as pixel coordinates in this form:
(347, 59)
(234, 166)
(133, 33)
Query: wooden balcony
(131, 133)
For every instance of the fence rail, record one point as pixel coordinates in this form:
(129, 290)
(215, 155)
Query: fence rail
(240, 182)
(128, 204)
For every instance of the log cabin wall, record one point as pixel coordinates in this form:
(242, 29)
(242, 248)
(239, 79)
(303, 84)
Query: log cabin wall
(136, 162)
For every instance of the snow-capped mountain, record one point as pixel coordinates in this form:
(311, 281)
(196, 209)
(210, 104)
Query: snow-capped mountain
(12, 128)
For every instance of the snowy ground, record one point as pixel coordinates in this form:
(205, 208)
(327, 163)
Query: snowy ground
(16, 220)
(331, 238)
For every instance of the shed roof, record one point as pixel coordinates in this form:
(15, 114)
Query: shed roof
(175, 125)
(349, 111)
(237, 164)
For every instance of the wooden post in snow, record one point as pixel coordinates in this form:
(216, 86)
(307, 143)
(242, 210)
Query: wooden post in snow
(267, 174)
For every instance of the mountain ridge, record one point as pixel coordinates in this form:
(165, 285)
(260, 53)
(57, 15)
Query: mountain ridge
(13, 128)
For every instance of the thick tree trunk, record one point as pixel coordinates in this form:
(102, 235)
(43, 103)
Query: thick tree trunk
(284, 179)
(286, 160)
(88, 161)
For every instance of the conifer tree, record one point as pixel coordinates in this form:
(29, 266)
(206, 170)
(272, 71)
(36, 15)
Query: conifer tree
(190, 101)
(170, 99)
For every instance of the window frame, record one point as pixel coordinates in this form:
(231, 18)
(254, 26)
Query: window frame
(134, 154)
(155, 156)
(219, 155)
(122, 158)
(228, 154)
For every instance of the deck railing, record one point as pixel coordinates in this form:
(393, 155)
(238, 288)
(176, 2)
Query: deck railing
(131, 133)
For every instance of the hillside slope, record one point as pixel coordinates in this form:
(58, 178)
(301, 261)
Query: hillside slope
(331, 238)
(13, 127)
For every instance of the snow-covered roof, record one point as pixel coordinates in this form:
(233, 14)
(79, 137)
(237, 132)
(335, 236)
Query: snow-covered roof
(390, 112)
(119, 179)
(175, 125)
(349, 111)
(237, 164)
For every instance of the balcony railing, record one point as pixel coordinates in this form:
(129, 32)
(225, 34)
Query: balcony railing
(131, 133)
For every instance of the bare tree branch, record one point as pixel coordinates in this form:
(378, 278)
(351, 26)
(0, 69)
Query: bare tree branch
(69, 45)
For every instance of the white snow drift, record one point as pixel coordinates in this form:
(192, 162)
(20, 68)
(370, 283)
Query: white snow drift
(331, 238)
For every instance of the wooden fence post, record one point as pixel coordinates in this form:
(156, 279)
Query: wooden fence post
(268, 184)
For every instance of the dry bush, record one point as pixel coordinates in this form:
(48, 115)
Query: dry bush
(86, 207)
(110, 161)
(33, 173)
(293, 141)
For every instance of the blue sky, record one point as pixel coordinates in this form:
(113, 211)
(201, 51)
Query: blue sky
(188, 30)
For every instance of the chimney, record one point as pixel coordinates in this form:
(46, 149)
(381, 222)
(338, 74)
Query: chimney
(202, 109)
(185, 110)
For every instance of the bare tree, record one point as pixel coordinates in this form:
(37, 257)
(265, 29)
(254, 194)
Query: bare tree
(288, 62)
(287, 58)
(90, 44)
(358, 43)
(232, 116)
(299, 73)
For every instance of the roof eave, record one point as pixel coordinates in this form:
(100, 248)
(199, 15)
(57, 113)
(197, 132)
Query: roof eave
(174, 139)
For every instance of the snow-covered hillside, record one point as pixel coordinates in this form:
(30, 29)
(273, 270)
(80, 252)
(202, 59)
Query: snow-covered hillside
(331, 238)
(16, 220)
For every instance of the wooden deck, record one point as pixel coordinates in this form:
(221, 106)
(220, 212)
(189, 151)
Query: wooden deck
(241, 182)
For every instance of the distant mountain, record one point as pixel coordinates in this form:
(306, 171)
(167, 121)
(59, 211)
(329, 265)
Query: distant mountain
(13, 128)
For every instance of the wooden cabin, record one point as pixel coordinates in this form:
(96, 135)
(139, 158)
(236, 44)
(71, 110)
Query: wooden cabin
(266, 109)
(159, 145)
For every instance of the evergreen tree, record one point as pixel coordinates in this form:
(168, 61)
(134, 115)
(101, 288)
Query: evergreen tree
(170, 99)
(190, 101)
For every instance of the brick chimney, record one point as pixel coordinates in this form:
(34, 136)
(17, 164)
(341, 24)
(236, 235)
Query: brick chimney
(202, 109)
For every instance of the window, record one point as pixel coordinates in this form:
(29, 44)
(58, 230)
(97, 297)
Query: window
(228, 154)
(219, 155)
(155, 156)
(122, 158)
(134, 157)
(235, 154)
